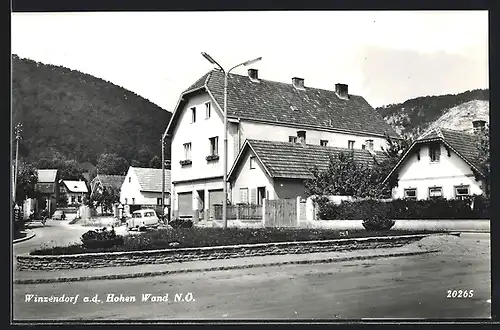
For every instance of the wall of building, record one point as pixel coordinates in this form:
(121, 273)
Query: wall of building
(251, 179)
(259, 131)
(289, 188)
(198, 134)
(447, 173)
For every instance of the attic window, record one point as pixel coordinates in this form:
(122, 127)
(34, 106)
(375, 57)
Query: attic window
(323, 143)
(350, 144)
(292, 139)
(193, 115)
(435, 152)
(301, 135)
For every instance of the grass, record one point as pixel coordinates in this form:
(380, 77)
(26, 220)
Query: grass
(201, 237)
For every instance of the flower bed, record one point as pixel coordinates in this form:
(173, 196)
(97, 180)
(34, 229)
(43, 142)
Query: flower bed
(211, 237)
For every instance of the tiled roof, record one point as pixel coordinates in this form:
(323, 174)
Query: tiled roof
(76, 186)
(282, 103)
(464, 144)
(150, 179)
(111, 180)
(295, 160)
(47, 175)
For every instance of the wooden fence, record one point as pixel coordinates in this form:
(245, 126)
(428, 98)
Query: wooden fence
(239, 212)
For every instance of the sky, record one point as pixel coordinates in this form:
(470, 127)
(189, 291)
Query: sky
(385, 56)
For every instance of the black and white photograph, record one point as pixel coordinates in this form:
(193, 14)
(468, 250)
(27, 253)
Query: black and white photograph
(250, 166)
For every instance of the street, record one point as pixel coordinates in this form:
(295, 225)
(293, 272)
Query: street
(403, 287)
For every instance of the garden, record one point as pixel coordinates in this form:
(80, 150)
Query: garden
(108, 241)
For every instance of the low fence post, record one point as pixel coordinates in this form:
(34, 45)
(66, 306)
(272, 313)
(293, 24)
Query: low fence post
(298, 210)
(264, 201)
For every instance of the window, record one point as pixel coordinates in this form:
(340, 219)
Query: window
(411, 193)
(435, 192)
(133, 200)
(136, 214)
(323, 143)
(301, 135)
(208, 110)
(434, 152)
(80, 199)
(187, 151)
(461, 192)
(369, 144)
(214, 143)
(193, 115)
(350, 144)
(292, 139)
(261, 194)
(72, 199)
(252, 162)
(363, 147)
(129, 179)
(244, 195)
(158, 201)
(126, 201)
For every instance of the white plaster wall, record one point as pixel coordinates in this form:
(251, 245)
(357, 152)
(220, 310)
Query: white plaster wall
(251, 179)
(198, 134)
(132, 189)
(447, 173)
(260, 131)
(194, 187)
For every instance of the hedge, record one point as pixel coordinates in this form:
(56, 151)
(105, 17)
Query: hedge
(438, 208)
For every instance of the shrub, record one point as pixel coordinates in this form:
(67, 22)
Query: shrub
(179, 223)
(376, 215)
(474, 207)
(101, 239)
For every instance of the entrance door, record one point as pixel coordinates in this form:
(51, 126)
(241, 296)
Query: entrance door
(261, 194)
(185, 204)
(215, 197)
(201, 204)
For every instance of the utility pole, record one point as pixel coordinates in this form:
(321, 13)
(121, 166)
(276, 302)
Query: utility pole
(18, 130)
(163, 175)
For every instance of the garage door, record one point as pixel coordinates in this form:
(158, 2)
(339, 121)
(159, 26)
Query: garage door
(185, 204)
(215, 197)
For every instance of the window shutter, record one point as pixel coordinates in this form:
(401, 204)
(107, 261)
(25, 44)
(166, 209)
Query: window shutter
(253, 197)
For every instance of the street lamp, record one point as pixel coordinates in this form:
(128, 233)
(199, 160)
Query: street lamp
(226, 75)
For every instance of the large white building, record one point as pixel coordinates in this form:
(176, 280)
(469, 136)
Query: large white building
(263, 110)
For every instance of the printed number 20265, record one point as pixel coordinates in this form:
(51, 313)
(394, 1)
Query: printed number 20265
(460, 294)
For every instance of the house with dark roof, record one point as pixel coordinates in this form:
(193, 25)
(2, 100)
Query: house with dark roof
(142, 187)
(257, 109)
(277, 170)
(440, 163)
(48, 188)
(102, 181)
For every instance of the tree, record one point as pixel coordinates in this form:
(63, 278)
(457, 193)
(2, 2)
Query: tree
(111, 163)
(69, 169)
(110, 196)
(27, 177)
(155, 162)
(483, 157)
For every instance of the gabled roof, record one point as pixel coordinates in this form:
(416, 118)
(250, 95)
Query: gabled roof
(462, 143)
(281, 103)
(47, 176)
(76, 186)
(115, 181)
(289, 160)
(150, 179)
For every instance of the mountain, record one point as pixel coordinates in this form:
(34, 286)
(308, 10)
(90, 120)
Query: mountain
(453, 111)
(79, 116)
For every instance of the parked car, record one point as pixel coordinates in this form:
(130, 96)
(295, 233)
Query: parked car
(142, 219)
(59, 215)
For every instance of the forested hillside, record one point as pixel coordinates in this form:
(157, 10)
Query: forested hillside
(66, 112)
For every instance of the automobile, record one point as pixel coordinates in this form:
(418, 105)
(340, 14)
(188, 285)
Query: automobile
(59, 215)
(143, 219)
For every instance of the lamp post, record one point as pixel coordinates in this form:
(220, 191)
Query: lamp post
(226, 76)
(18, 130)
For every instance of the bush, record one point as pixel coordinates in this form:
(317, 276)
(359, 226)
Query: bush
(101, 239)
(179, 223)
(474, 207)
(376, 215)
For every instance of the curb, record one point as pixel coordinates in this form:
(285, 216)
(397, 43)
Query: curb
(178, 271)
(29, 235)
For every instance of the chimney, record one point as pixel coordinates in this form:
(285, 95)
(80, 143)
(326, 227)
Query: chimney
(298, 83)
(253, 74)
(478, 125)
(342, 91)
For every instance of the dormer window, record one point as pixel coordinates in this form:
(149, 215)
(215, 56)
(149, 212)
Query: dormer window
(292, 139)
(350, 144)
(301, 136)
(208, 110)
(323, 143)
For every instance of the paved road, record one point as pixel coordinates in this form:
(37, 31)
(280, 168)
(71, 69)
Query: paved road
(410, 287)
